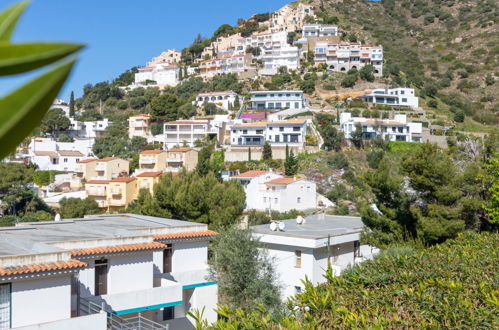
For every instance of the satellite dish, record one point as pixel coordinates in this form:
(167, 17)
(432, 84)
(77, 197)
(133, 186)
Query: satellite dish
(273, 226)
(300, 220)
(281, 226)
(57, 217)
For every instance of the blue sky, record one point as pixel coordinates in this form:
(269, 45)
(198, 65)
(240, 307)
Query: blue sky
(123, 34)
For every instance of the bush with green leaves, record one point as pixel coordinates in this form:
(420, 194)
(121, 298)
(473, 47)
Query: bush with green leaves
(453, 285)
(78, 208)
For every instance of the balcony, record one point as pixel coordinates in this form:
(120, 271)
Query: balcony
(96, 192)
(116, 202)
(191, 277)
(147, 161)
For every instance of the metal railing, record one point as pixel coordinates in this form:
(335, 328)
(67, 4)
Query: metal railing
(115, 322)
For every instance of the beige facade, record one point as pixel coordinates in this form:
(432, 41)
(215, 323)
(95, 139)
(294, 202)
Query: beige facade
(102, 169)
(121, 192)
(98, 190)
(139, 125)
(290, 18)
(85, 169)
(147, 180)
(152, 161)
(168, 57)
(179, 158)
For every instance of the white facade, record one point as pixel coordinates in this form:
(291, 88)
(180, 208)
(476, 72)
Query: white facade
(397, 129)
(266, 190)
(319, 30)
(222, 99)
(154, 266)
(49, 154)
(163, 75)
(88, 129)
(289, 132)
(61, 104)
(345, 56)
(303, 250)
(181, 132)
(272, 100)
(225, 64)
(404, 97)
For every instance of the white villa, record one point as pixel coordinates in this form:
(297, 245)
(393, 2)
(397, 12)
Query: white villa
(396, 129)
(267, 190)
(121, 271)
(273, 100)
(180, 132)
(49, 154)
(319, 30)
(223, 99)
(304, 246)
(341, 57)
(88, 129)
(163, 75)
(288, 132)
(404, 97)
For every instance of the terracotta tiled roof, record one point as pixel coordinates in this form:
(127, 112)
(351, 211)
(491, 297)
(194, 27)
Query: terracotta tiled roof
(216, 93)
(38, 268)
(123, 179)
(86, 161)
(179, 149)
(193, 234)
(46, 153)
(149, 174)
(283, 180)
(71, 153)
(187, 122)
(118, 249)
(98, 181)
(106, 159)
(147, 152)
(250, 174)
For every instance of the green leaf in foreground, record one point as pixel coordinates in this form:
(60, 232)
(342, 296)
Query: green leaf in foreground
(22, 110)
(9, 18)
(19, 58)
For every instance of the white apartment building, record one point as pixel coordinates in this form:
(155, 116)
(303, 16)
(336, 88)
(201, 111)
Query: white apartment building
(226, 64)
(396, 129)
(224, 99)
(266, 190)
(276, 100)
(277, 133)
(319, 30)
(290, 18)
(345, 56)
(88, 129)
(187, 132)
(304, 246)
(170, 56)
(138, 125)
(105, 272)
(404, 97)
(163, 75)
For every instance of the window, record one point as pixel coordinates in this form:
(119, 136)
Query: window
(298, 259)
(298, 200)
(281, 129)
(65, 160)
(5, 306)
(276, 200)
(259, 131)
(77, 160)
(277, 138)
(404, 100)
(245, 131)
(265, 199)
(101, 277)
(402, 92)
(168, 313)
(356, 249)
(167, 259)
(296, 129)
(270, 128)
(297, 289)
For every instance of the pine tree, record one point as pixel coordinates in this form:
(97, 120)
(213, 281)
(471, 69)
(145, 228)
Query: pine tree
(290, 163)
(357, 136)
(237, 103)
(267, 151)
(186, 74)
(249, 154)
(180, 74)
(72, 104)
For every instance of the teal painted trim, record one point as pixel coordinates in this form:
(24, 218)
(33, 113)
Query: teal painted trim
(197, 285)
(147, 308)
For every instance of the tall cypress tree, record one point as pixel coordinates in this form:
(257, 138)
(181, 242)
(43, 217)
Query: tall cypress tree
(72, 104)
(237, 103)
(267, 151)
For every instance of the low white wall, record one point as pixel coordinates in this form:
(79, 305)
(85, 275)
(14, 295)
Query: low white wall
(94, 322)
